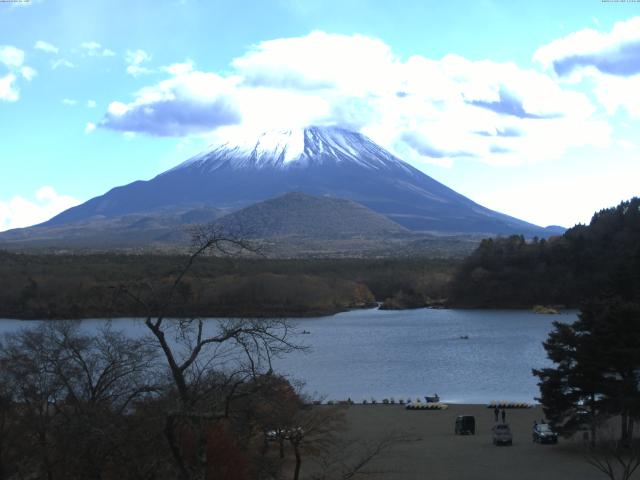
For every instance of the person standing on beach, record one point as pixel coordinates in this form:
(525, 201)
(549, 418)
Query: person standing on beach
(504, 414)
(495, 413)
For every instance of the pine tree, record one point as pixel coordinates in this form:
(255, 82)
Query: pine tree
(597, 368)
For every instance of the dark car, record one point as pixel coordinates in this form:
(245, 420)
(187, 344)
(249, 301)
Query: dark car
(542, 433)
(502, 434)
(465, 425)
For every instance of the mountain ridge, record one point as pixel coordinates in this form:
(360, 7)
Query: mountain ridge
(331, 161)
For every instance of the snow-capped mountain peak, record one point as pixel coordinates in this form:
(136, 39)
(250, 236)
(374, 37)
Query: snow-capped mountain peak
(318, 161)
(282, 149)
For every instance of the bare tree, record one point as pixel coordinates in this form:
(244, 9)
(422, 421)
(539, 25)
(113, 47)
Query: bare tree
(33, 385)
(102, 376)
(7, 435)
(314, 432)
(318, 433)
(68, 395)
(354, 458)
(208, 362)
(616, 459)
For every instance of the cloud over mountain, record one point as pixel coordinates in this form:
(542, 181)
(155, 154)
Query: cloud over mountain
(424, 109)
(191, 102)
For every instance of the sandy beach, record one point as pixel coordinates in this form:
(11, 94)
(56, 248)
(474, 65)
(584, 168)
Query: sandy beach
(435, 452)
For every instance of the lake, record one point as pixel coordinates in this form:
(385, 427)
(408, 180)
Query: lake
(365, 354)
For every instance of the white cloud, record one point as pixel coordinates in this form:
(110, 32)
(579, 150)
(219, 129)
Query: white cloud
(45, 47)
(11, 56)
(8, 90)
(61, 62)
(91, 104)
(616, 52)
(425, 110)
(20, 212)
(13, 60)
(95, 49)
(90, 127)
(192, 103)
(117, 109)
(352, 64)
(134, 59)
(618, 93)
(28, 73)
(179, 68)
(608, 60)
(69, 102)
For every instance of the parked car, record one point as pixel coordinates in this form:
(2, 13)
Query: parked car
(283, 434)
(502, 434)
(542, 433)
(465, 425)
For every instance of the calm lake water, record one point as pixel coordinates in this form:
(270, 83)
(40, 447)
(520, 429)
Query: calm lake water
(366, 354)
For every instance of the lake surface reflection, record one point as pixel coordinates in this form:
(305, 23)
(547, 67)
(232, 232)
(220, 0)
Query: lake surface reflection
(366, 354)
(380, 354)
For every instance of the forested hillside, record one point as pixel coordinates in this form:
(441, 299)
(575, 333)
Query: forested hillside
(81, 286)
(598, 259)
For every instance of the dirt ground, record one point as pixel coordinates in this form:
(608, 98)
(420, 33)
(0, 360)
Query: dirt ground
(435, 453)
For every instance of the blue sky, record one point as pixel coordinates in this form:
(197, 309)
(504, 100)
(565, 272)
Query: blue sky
(530, 108)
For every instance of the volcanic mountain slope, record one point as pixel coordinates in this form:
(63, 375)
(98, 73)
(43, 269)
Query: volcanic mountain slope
(136, 230)
(294, 225)
(304, 215)
(321, 161)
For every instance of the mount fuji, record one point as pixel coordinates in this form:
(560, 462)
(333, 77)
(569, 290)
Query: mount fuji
(319, 161)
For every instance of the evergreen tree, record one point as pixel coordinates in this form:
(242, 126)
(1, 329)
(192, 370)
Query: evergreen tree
(597, 370)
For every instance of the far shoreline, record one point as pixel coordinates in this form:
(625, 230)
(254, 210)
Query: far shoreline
(295, 315)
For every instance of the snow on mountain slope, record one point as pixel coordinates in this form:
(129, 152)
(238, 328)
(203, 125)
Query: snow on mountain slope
(294, 148)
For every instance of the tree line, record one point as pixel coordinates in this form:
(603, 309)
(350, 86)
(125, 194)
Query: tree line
(68, 286)
(602, 258)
